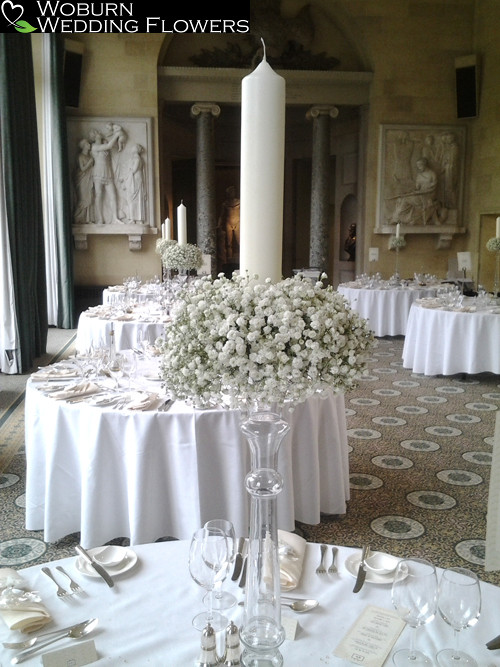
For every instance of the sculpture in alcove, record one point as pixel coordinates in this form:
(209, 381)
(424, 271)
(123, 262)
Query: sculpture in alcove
(228, 228)
(350, 243)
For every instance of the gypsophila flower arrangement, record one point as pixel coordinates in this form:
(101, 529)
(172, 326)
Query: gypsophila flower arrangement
(396, 242)
(184, 257)
(493, 244)
(266, 342)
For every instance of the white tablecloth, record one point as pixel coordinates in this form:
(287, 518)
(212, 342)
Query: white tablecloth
(385, 309)
(117, 473)
(146, 618)
(445, 342)
(93, 331)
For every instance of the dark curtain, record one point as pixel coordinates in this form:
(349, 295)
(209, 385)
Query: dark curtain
(23, 194)
(60, 216)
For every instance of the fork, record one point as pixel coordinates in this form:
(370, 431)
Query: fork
(76, 588)
(321, 569)
(333, 568)
(61, 592)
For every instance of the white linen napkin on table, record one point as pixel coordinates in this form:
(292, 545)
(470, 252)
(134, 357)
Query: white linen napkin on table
(20, 612)
(82, 389)
(291, 549)
(55, 373)
(143, 402)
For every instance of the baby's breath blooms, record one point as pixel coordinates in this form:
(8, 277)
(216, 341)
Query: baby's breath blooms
(272, 343)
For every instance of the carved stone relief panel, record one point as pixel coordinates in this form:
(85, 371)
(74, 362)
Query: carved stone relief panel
(421, 180)
(111, 175)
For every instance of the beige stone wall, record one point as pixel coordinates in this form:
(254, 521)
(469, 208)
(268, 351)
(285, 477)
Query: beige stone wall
(409, 45)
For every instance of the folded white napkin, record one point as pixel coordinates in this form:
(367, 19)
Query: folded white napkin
(291, 554)
(82, 389)
(143, 402)
(51, 373)
(23, 612)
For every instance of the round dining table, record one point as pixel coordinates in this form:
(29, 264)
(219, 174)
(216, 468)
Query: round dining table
(146, 618)
(385, 307)
(449, 340)
(130, 323)
(122, 469)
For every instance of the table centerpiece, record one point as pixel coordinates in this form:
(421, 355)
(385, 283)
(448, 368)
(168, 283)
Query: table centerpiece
(260, 347)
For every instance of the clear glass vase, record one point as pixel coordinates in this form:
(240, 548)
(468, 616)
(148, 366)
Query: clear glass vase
(262, 633)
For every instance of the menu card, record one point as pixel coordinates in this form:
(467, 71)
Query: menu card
(371, 638)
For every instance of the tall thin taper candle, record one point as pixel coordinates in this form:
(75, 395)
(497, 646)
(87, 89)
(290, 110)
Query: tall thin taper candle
(262, 172)
(397, 231)
(498, 228)
(181, 224)
(168, 230)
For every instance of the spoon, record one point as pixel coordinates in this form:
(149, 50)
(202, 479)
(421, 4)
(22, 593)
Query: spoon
(28, 643)
(76, 632)
(299, 606)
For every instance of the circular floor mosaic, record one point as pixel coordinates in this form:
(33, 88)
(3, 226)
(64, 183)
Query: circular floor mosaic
(21, 551)
(420, 445)
(392, 462)
(397, 527)
(362, 481)
(459, 477)
(431, 500)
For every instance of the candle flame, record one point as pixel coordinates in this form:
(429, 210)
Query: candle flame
(263, 48)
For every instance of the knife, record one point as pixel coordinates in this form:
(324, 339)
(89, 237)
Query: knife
(238, 559)
(360, 579)
(98, 568)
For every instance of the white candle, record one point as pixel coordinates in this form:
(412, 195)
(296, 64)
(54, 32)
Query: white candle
(397, 231)
(498, 228)
(167, 231)
(163, 230)
(262, 173)
(181, 224)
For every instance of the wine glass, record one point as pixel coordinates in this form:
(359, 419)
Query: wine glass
(414, 596)
(208, 560)
(128, 365)
(459, 603)
(223, 599)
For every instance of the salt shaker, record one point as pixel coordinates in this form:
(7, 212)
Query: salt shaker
(208, 654)
(232, 655)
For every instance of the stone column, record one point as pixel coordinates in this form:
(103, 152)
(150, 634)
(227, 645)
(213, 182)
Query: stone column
(319, 243)
(206, 220)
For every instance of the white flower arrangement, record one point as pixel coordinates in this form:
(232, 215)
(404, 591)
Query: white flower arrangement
(176, 256)
(396, 242)
(493, 244)
(272, 343)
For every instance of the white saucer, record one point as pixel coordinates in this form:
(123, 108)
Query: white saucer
(352, 564)
(127, 564)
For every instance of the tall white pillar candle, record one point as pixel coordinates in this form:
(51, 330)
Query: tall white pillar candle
(168, 231)
(397, 231)
(181, 224)
(262, 173)
(498, 228)
(163, 230)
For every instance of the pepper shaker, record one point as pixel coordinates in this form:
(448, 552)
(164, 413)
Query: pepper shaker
(232, 655)
(208, 654)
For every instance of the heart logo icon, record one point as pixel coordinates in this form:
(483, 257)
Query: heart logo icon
(9, 8)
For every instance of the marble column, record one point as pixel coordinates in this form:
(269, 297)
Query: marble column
(320, 200)
(206, 215)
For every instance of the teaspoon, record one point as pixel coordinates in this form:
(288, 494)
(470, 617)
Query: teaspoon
(299, 606)
(76, 632)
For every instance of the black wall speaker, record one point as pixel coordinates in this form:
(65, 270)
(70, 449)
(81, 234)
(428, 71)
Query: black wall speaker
(73, 63)
(466, 81)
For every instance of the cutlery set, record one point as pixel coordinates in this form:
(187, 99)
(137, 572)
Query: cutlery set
(322, 567)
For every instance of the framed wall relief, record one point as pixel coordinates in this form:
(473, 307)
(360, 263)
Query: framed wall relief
(421, 180)
(111, 172)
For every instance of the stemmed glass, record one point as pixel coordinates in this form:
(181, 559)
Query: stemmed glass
(223, 599)
(459, 603)
(208, 561)
(414, 596)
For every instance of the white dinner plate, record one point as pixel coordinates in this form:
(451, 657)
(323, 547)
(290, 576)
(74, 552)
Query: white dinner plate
(127, 564)
(352, 564)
